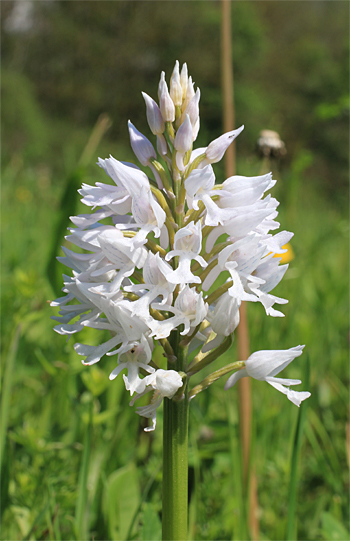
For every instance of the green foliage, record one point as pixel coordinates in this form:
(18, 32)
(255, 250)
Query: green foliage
(121, 501)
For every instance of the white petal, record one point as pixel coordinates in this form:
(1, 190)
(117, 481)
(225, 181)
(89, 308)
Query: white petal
(232, 380)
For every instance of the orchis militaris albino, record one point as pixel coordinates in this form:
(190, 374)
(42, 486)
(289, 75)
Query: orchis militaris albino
(155, 246)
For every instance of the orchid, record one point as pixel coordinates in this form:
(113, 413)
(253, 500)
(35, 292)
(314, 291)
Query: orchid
(264, 365)
(155, 244)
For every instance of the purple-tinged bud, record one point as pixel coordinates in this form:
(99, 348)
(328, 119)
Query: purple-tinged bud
(175, 86)
(166, 104)
(154, 116)
(141, 146)
(183, 139)
(218, 147)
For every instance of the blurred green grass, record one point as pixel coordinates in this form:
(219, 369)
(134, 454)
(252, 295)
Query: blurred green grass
(52, 394)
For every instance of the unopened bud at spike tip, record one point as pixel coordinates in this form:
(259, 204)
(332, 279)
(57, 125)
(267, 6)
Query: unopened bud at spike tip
(175, 86)
(184, 80)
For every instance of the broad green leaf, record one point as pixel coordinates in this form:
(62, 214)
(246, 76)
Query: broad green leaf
(121, 501)
(332, 529)
(152, 527)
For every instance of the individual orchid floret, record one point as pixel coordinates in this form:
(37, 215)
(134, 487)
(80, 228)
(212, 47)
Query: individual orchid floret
(86, 310)
(187, 245)
(189, 310)
(112, 199)
(141, 146)
(166, 104)
(199, 187)
(270, 273)
(148, 214)
(238, 191)
(217, 148)
(135, 355)
(155, 273)
(122, 256)
(264, 365)
(130, 177)
(165, 383)
(175, 86)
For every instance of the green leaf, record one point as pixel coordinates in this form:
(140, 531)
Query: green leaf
(152, 527)
(121, 501)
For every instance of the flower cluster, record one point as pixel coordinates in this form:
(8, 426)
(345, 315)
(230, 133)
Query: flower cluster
(155, 247)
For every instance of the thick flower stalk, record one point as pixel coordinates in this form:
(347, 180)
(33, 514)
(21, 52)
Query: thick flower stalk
(154, 247)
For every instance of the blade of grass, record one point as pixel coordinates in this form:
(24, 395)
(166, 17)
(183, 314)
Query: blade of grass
(69, 199)
(80, 519)
(6, 389)
(293, 484)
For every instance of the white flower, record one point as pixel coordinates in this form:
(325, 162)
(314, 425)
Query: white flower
(264, 365)
(189, 310)
(165, 383)
(155, 273)
(199, 187)
(187, 245)
(134, 356)
(148, 214)
(122, 282)
(130, 177)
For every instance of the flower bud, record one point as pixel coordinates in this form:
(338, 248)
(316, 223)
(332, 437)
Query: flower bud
(167, 382)
(225, 316)
(189, 93)
(175, 86)
(192, 109)
(166, 104)
(141, 146)
(154, 116)
(184, 134)
(184, 80)
(218, 147)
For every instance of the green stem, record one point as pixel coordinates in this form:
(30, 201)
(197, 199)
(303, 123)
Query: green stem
(175, 459)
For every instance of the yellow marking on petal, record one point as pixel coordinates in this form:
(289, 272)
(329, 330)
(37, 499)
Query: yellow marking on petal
(286, 256)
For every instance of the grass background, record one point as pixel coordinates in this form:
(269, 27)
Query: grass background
(76, 463)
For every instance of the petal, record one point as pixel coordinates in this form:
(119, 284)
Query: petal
(235, 377)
